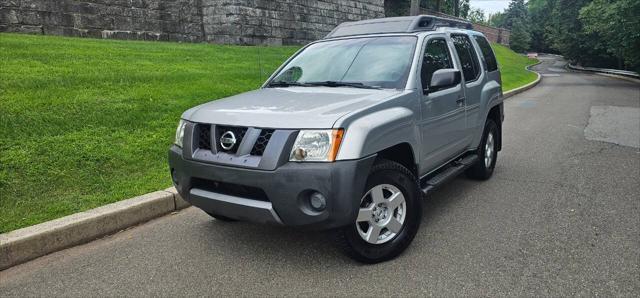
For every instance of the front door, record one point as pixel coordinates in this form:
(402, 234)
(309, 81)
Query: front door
(443, 122)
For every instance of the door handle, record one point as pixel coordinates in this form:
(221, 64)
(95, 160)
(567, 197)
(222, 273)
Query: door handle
(460, 101)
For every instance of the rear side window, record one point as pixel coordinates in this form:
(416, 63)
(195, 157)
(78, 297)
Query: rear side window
(487, 53)
(436, 56)
(468, 57)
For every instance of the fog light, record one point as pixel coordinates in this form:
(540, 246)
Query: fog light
(299, 154)
(318, 201)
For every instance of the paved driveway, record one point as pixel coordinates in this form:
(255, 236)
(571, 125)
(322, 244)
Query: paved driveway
(560, 217)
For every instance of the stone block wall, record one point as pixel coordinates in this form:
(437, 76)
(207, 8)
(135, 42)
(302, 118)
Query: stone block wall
(177, 20)
(497, 35)
(278, 22)
(273, 22)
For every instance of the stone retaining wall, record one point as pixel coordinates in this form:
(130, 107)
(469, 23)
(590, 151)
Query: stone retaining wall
(273, 22)
(176, 20)
(277, 22)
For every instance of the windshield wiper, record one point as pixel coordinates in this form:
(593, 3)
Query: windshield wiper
(342, 84)
(287, 84)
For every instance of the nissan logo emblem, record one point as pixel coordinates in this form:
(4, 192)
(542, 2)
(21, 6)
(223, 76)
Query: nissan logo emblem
(228, 140)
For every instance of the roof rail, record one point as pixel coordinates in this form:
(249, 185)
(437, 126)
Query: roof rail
(396, 25)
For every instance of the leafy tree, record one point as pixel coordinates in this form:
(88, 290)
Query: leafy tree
(539, 16)
(616, 23)
(516, 12)
(448, 6)
(520, 38)
(464, 8)
(476, 15)
(564, 31)
(496, 19)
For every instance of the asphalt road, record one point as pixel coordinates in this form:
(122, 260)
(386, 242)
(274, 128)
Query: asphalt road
(561, 216)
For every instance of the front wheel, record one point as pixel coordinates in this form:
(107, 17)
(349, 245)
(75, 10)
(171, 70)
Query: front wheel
(389, 215)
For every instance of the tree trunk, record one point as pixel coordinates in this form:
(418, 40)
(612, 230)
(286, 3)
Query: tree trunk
(438, 5)
(415, 7)
(456, 8)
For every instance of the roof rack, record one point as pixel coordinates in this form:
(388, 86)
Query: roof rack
(396, 25)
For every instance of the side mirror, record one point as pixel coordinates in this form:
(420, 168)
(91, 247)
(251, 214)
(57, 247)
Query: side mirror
(444, 78)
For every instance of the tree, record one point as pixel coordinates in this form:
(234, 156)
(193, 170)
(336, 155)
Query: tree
(415, 7)
(539, 12)
(520, 38)
(516, 12)
(564, 31)
(464, 8)
(496, 20)
(476, 15)
(449, 7)
(616, 24)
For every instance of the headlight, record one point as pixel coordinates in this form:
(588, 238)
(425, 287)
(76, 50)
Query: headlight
(317, 145)
(180, 133)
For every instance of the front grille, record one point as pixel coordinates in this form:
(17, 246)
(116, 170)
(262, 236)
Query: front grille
(203, 131)
(237, 131)
(230, 189)
(261, 142)
(205, 139)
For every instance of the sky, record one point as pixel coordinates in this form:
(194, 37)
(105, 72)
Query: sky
(490, 6)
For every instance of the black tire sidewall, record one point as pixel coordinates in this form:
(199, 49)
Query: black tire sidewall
(490, 127)
(398, 176)
(480, 170)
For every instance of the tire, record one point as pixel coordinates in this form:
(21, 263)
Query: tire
(487, 153)
(221, 218)
(386, 179)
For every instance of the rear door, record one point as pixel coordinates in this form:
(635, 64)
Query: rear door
(473, 78)
(442, 124)
(492, 84)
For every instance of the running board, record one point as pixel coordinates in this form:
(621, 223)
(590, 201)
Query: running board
(449, 172)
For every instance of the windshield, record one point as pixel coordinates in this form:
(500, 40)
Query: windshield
(375, 62)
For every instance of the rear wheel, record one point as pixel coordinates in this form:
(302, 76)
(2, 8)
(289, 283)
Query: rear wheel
(487, 153)
(389, 215)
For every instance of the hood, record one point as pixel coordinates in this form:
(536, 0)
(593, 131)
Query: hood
(292, 107)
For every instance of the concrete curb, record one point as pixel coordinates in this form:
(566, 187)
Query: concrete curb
(604, 73)
(525, 87)
(19, 246)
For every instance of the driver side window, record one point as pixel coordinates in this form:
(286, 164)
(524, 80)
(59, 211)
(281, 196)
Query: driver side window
(436, 56)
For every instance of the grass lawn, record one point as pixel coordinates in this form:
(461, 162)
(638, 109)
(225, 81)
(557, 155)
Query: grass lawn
(88, 122)
(512, 67)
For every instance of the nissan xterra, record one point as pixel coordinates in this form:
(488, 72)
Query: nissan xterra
(349, 134)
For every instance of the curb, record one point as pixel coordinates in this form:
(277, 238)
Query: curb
(604, 73)
(20, 246)
(526, 87)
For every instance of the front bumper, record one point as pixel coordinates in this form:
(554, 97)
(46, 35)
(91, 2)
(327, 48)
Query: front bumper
(285, 190)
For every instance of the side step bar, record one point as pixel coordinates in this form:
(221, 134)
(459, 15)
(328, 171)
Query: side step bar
(449, 172)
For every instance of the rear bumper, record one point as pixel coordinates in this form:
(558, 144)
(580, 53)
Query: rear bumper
(286, 190)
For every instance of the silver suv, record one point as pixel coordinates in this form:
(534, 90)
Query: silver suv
(349, 134)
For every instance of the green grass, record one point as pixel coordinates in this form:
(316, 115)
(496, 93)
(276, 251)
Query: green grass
(512, 68)
(87, 122)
